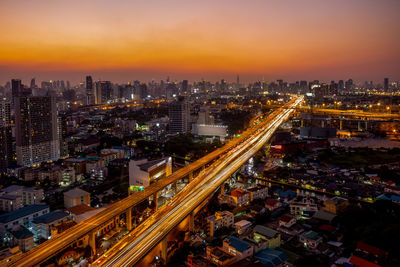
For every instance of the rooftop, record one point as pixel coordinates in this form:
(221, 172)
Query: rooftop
(237, 243)
(50, 217)
(146, 166)
(21, 233)
(271, 258)
(265, 231)
(76, 192)
(80, 209)
(25, 211)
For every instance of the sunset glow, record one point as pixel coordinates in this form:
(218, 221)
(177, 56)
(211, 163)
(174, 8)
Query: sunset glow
(200, 39)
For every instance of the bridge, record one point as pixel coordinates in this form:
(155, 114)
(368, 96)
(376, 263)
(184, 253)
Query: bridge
(213, 170)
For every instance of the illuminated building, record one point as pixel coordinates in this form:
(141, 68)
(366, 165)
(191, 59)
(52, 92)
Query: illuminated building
(179, 116)
(37, 131)
(142, 172)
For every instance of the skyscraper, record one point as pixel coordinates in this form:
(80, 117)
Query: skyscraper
(6, 152)
(386, 84)
(179, 116)
(103, 92)
(37, 130)
(89, 91)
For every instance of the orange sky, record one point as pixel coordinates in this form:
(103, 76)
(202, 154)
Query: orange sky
(126, 40)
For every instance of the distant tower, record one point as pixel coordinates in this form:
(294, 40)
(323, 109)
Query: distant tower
(33, 83)
(386, 84)
(179, 116)
(237, 80)
(89, 91)
(6, 152)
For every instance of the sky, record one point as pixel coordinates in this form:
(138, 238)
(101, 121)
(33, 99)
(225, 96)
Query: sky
(125, 40)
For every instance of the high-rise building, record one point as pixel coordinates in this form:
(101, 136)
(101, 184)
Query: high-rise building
(103, 92)
(37, 130)
(16, 87)
(6, 152)
(386, 84)
(179, 116)
(89, 91)
(33, 83)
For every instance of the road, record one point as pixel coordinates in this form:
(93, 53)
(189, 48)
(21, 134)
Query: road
(53, 246)
(136, 245)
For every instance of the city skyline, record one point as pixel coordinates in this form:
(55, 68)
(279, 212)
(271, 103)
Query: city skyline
(258, 39)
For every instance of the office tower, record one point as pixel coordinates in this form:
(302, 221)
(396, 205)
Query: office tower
(185, 85)
(16, 87)
(33, 83)
(237, 80)
(204, 116)
(179, 116)
(36, 128)
(103, 92)
(6, 152)
(386, 84)
(89, 91)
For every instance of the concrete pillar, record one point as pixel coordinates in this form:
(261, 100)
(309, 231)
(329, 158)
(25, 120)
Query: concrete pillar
(92, 242)
(366, 125)
(175, 185)
(322, 124)
(191, 222)
(341, 124)
(222, 188)
(164, 250)
(129, 219)
(302, 123)
(359, 125)
(190, 177)
(155, 200)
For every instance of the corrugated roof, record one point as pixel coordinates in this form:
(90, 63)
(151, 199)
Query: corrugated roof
(25, 211)
(21, 233)
(237, 243)
(265, 231)
(50, 217)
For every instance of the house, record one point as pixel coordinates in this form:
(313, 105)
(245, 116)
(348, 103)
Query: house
(310, 239)
(219, 220)
(272, 204)
(76, 197)
(258, 192)
(271, 258)
(219, 256)
(301, 206)
(23, 216)
(10, 202)
(22, 237)
(242, 226)
(287, 221)
(335, 205)
(264, 233)
(42, 225)
(237, 247)
(240, 197)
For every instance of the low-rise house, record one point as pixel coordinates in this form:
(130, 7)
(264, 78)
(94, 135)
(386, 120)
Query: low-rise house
(310, 239)
(237, 247)
(42, 225)
(219, 220)
(258, 192)
(76, 197)
(242, 226)
(272, 257)
(240, 197)
(220, 257)
(272, 204)
(10, 202)
(305, 205)
(264, 233)
(22, 237)
(23, 216)
(335, 205)
(287, 221)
